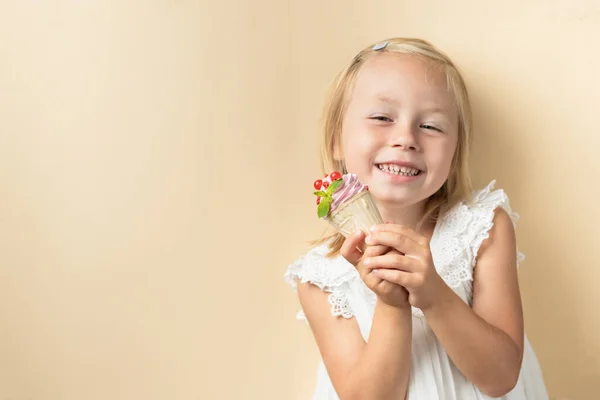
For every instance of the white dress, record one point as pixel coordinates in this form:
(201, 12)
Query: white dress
(454, 245)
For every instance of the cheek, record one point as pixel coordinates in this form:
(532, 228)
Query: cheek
(442, 157)
(358, 144)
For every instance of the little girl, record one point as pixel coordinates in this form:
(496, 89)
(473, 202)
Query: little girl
(427, 305)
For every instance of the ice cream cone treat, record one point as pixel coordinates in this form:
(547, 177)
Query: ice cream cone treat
(346, 203)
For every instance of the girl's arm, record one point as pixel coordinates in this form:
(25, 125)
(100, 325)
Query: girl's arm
(485, 342)
(378, 369)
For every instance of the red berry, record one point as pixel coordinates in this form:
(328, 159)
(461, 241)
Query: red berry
(326, 176)
(335, 176)
(318, 183)
(318, 200)
(366, 187)
(325, 184)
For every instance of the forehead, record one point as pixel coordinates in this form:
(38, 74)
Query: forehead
(392, 77)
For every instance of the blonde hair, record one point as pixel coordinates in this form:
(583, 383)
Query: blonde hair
(458, 186)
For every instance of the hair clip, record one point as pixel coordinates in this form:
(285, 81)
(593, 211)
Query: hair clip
(380, 46)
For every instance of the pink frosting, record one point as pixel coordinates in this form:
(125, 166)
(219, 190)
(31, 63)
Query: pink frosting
(350, 187)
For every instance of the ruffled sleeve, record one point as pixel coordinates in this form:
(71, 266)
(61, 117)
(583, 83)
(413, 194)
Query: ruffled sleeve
(329, 274)
(484, 204)
(460, 233)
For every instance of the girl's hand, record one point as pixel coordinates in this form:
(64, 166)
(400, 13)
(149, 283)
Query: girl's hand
(410, 266)
(387, 291)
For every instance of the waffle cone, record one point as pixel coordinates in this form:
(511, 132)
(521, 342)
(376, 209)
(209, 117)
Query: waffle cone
(360, 212)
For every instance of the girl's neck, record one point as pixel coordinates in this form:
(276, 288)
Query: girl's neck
(406, 215)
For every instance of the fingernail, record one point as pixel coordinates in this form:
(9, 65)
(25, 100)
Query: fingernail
(366, 262)
(373, 228)
(375, 271)
(368, 239)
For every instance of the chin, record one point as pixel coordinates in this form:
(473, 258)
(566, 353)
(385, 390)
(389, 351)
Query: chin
(397, 198)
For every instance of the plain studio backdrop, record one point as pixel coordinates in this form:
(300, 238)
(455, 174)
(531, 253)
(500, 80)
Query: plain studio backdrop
(156, 164)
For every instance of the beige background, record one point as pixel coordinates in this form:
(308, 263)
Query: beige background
(148, 154)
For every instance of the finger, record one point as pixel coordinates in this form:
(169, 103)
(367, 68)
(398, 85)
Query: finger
(371, 280)
(401, 278)
(352, 247)
(403, 230)
(370, 251)
(392, 260)
(397, 241)
(374, 251)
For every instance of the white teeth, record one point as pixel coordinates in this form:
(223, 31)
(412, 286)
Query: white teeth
(397, 170)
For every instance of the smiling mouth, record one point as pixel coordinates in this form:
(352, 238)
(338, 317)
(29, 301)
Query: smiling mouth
(398, 170)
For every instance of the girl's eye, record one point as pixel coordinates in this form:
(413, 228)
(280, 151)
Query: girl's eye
(430, 127)
(382, 118)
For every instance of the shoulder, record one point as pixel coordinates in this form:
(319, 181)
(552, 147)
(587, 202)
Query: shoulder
(499, 242)
(317, 268)
(492, 218)
(502, 224)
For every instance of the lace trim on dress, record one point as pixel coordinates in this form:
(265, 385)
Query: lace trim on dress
(326, 273)
(489, 201)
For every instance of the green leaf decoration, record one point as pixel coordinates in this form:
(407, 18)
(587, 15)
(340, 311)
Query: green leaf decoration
(323, 208)
(321, 194)
(334, 185)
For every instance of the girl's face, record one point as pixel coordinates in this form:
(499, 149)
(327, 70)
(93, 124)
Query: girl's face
(400, 130)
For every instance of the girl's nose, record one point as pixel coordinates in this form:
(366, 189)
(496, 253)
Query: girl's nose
(404, 137)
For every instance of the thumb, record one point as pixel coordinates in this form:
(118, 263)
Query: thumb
(353, 247)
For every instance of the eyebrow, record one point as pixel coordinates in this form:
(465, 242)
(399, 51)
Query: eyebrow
(434, 108)
(437, 110)
(388, 100)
